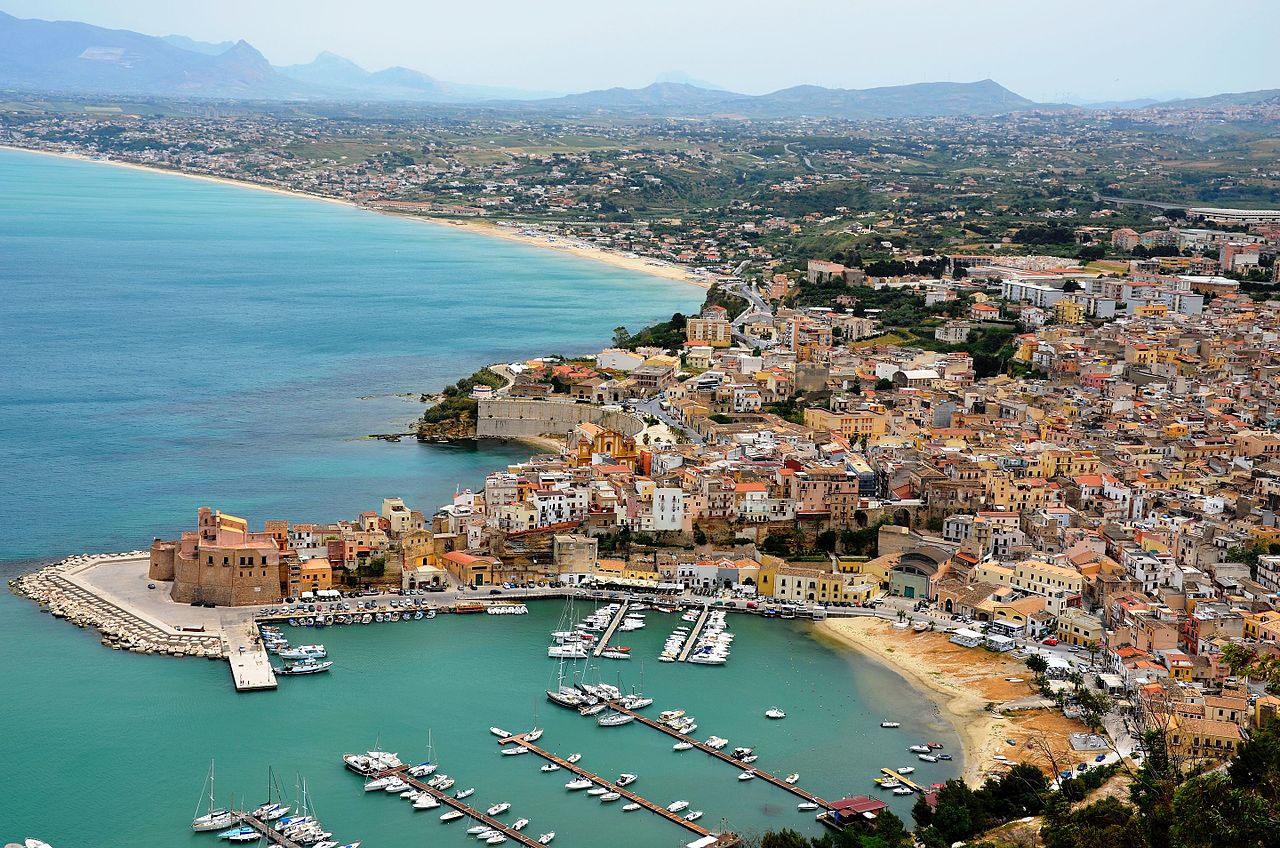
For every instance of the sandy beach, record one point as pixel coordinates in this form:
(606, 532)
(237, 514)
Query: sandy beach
(963, 682)
(573, 247)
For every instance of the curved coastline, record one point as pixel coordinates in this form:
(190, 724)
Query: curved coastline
(665, 270)
(979, 729)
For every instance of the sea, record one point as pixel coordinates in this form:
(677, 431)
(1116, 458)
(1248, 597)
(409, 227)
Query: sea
(170, 343)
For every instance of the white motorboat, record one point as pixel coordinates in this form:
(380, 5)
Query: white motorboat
(610, 796)
(775, 713)
(694, 816)
(496, 840)
(793, 778)
(747, 775)
(307, 666)
(395, 787)
(500, 733)
(578, 783)
(520, 824)
(749, 758)
(626, 779)
(716, 742)
(890, 724)
(533, 735)
(573, 758)
(906, 769)
(425, 802)
(677, 806)
(919, 749)
(806, 805)
(928, 758)
(514, 750)
(486, 833)
(903, 790)
(545, 839)
(302, 652)
(477, 829)
(447, 783)
(551, 767)
(464, 793)
(682, 746)
(597, 791)
(36, 843)
(630, 808)
(498, 809)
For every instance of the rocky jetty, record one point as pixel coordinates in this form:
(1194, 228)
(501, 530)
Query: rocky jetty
(120, 629)
(448, 430)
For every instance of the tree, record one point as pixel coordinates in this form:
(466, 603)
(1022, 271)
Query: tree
(1208, 812)
(1239, 658)
(1072, 285)
(1038, 664)
(827, 541)
(784, 839)
(883, 385)
(620, 337)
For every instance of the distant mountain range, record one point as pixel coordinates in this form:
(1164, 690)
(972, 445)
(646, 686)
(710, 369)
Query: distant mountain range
(76, 58)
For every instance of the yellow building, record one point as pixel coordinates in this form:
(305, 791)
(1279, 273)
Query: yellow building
(1076, 627)
(1202, 738)
(716, 332)
(797, 583)
(848, 424)
(315, 574)
(1069, 312)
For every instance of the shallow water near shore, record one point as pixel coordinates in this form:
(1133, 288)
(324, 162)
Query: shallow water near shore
(138, 732)
(171, 342)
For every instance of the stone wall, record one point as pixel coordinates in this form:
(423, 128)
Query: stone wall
(226, 585)
(515, 417)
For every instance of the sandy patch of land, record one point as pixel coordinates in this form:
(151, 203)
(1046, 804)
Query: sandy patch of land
(575, 247)
(966, 684)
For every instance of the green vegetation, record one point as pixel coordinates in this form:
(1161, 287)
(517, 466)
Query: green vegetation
(455, 402)
(668, 335)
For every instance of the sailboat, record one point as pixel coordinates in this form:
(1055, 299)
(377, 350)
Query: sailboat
(214, 817)
(565, 695)
(270, 810)
(430, 765)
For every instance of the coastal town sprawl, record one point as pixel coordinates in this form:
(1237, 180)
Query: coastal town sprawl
(985, 398)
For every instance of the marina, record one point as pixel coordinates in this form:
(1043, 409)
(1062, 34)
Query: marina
(603, 642)
(693, 635)
(722, 756)
(725, 840)
(442, 796)
(508, 648)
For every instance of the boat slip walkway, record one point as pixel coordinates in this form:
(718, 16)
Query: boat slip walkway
(694, 634)
(613, 626)
(445, 798)
(903, 779)
(724, 840)
(721, 755)
(274, 837)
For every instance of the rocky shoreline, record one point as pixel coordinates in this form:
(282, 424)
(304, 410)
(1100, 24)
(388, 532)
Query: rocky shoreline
(51, 588)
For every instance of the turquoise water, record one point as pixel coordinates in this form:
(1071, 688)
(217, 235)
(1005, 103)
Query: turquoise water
(136, 733)
(170, 342)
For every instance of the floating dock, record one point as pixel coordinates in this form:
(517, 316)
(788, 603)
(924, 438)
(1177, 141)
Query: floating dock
(724, 840)
(611, 629)
(721, 755)
(903, 779)
(274, 837)
(694, 634)
(448, 800)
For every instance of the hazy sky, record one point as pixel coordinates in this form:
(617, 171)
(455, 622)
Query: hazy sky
(1049, 50)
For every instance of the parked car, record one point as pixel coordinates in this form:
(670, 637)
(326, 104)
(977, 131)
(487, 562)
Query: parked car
(495, 591)
(1050, 641)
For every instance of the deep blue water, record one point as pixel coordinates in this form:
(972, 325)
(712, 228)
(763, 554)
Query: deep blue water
(169, 342)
